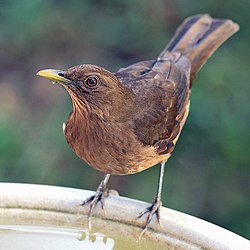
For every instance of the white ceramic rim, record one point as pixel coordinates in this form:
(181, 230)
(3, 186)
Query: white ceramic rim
(32, 204)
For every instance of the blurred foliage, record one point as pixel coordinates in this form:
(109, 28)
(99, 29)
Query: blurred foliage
(208, 174)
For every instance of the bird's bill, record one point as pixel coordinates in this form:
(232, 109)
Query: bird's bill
(54, 75)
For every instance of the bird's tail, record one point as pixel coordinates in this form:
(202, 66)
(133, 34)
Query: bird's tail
(198, 37)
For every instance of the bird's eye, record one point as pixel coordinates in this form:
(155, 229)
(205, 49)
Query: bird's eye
(91, 81)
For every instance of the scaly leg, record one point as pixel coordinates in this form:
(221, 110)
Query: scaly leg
(101, 193)
(156, 203)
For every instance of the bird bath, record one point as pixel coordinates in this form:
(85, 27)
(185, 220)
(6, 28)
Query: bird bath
(49, 217)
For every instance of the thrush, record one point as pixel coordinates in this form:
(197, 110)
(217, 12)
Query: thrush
(125, 122)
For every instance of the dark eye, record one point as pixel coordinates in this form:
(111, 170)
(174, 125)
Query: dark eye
(91, 81)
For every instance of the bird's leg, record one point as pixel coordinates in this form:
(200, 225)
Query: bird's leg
(156, 203)
(101, 193)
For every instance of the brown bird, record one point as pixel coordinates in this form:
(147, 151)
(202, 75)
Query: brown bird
(126, 122)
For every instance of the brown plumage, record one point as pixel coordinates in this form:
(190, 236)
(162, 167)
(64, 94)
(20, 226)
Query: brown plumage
(126, 122)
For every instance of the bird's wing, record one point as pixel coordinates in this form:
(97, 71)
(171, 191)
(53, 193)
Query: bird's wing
(162, 92)
(134, 71)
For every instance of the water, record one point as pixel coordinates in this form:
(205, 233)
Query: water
(55, 238)
(41, 238)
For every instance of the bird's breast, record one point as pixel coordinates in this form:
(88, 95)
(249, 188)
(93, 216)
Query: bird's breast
(109, 147)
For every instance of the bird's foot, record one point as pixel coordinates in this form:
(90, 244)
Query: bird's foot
(101, 193)
(151, 210)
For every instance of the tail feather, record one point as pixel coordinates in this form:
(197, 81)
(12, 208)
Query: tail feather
(198, 37)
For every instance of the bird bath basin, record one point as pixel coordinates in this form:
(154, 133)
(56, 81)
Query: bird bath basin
(49, 217)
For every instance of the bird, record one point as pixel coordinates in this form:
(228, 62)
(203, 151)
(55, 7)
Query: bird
(125, 122)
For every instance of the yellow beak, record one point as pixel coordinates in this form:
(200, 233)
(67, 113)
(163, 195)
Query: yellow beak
(54, 75)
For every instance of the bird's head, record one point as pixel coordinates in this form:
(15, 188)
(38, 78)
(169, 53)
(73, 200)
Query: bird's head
(93, 89)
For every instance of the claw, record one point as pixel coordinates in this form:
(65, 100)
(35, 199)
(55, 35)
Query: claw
(88, 200)
(101, 193)
(93, 200)
(151, 210)
(156, 204)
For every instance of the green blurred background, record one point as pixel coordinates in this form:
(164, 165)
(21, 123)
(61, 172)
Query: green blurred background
(208, 174)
